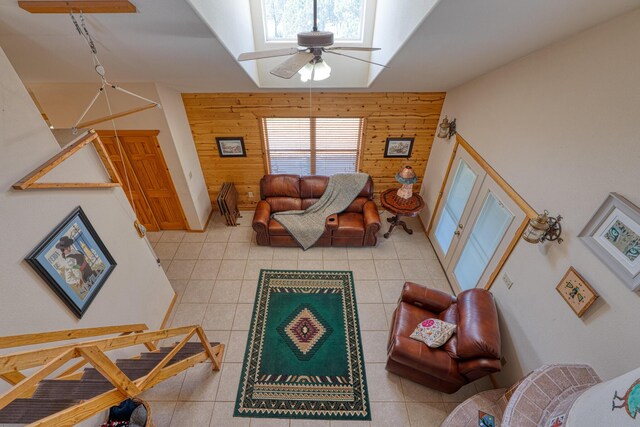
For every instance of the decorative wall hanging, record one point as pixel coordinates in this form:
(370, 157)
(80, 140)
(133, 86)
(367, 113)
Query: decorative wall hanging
(73, 261)
(231, 147)
(398, 147)
(576, 292)
(613, 234)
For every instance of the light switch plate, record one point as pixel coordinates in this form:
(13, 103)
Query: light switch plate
(507, 280)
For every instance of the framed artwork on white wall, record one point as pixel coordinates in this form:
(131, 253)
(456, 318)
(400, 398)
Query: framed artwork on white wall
(613, 235)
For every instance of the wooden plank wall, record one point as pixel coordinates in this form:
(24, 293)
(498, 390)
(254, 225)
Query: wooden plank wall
(387, 114)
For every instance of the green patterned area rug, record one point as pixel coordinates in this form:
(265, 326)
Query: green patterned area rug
(304, 352)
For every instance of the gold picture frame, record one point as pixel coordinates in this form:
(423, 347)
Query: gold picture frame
(576, 292)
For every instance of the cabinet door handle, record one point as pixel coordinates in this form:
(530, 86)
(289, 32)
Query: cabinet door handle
(457, 232)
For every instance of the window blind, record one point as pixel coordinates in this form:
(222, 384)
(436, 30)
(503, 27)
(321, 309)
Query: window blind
(313, 146)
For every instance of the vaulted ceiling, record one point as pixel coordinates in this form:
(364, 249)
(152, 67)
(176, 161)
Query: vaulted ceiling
(172, 42)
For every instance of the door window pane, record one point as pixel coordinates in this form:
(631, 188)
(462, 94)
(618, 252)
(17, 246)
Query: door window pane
(492, 223)
(457, 199)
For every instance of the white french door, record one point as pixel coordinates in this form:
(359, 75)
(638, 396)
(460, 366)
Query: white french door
(474, 225)
(458, 197)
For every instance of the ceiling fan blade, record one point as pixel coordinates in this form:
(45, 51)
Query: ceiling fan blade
(357, 59)
(248, 56)
(290, 67)
(363, 49)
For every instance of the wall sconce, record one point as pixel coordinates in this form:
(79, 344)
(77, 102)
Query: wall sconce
(447, 128)
(543, 227)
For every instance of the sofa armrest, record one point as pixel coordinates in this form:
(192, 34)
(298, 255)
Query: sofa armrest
(260, 222)
(478, 368)
(430, 299)
(331, 223)
(372, 223)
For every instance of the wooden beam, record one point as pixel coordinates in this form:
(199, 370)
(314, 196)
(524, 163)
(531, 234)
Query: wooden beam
(13, 377)
(76, 6)
(115, 116)
(33, 358)
(215, 361)
(47, 166)
(29, 181)
(49, 185)
(142, 383)
(109, 370)
(69, 334)
(27, 384)
(90, 407)
(106, 160)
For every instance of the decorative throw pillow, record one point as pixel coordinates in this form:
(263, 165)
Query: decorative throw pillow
(433, 332)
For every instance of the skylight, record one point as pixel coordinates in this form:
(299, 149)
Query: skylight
(284, 19)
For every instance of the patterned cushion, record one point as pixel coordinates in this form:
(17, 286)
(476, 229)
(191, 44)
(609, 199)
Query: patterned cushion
(433, 332)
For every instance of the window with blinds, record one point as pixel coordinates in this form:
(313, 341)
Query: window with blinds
(312, 146)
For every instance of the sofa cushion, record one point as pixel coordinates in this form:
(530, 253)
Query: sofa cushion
(279, 204)
(280, 186)
(312, 187)
(276, 229)
(350, 224)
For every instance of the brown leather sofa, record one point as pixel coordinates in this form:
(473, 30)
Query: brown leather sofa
(356, 226)
(471, 353)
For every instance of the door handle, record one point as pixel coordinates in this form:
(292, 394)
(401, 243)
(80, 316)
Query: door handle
(460, 226)
(457, 232)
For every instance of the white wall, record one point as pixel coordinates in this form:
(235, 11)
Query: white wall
(561, 126)
(395, 23)
(136, 292)
(185, 147)
(64, 103)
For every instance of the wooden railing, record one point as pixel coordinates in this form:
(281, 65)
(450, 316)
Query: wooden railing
(93, 352)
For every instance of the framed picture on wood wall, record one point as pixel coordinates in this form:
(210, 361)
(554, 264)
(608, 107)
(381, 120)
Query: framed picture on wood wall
(73, 261)
(576, 292)
(613, 235)
(398, 147)
(231, 147)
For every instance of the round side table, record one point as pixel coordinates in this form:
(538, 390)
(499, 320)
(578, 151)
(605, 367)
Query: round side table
(400, 207)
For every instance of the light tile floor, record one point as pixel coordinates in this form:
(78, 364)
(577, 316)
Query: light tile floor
(215, 276)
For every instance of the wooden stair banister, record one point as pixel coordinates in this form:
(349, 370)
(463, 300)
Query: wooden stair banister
(69, 334)
(33, 358)
(122, 379)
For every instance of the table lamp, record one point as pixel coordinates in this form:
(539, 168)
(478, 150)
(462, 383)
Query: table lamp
(407, 177)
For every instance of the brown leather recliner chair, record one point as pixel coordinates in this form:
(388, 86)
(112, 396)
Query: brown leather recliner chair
(471, 353)
(356, 226)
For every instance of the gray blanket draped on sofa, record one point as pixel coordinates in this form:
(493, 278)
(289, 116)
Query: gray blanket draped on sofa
(308, 225)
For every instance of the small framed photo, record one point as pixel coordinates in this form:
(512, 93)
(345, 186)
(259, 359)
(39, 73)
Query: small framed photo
(398, 147)
(231, 147)
(576, 292)
(73, 261)
(613, 235)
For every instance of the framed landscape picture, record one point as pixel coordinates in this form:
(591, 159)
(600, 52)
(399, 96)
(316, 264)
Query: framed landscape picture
(73, 261)
(613, 234)
(398, 147)
(231, 147)
(576, 292)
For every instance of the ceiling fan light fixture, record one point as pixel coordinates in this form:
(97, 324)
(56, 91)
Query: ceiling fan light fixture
(306, 72)
(317, 70)
(321, 70)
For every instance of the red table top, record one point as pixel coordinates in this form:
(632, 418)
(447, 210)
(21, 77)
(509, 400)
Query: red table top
(399, 206)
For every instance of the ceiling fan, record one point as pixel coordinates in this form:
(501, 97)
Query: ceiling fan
(307, 58)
